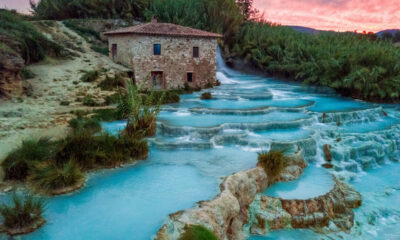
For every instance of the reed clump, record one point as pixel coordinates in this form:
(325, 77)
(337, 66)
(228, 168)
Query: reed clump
(272, 162)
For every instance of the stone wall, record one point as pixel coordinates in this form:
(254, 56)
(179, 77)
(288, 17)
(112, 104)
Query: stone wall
(176, 59)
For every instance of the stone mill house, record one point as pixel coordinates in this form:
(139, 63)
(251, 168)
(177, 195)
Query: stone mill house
(164, 55)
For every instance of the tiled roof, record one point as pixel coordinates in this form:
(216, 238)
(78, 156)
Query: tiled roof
(165, 29)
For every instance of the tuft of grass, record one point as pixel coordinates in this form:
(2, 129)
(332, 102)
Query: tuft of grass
(27, 74)
(206, 96)
(18, 163)
(197, 232)
(90, 76)
(64, 103)
(89, 101)
(272, 162)
(50, 177)
(80, 123)
(24, 211)
(111, 83)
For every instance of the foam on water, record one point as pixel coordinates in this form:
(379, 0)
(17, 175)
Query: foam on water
(200, 141)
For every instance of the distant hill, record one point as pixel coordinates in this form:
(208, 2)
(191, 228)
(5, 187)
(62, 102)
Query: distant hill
(392, 31)
(304, 29)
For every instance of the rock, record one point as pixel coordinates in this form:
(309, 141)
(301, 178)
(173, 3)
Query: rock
(326, 213)
(327, 165)
(228, 213)
(327, 152)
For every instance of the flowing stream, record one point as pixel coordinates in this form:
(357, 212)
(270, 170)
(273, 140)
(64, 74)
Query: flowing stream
(200, 141)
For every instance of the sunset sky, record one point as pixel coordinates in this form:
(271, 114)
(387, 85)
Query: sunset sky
(338, 15)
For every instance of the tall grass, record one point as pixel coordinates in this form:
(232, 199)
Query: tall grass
(25, 38)
(18, 163)
(24, 211)
(140, 112)
(272, 162)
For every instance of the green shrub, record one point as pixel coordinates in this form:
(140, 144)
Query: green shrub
(23, 212)
(272, 162)
(112, 99)
(18, 163)
(111, 83)
(90, 76)
(64, 103)
(50, 177)
(107, 115)
(206, 96)
(80, 123)
(99, 49)
(89, 101)
(27, 74)
(197, 232)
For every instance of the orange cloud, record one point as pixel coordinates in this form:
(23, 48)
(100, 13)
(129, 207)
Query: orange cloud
(338, 15)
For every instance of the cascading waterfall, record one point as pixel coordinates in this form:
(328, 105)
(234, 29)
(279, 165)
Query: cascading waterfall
(200, 141)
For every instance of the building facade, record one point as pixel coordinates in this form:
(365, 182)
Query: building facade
(166, 56)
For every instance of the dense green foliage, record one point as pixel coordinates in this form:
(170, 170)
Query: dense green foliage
(24, 211)
(272, 162)
(18, 162)
(350, 63)
(24, 39)
(197, 232)
(65, 9)
(221, 16)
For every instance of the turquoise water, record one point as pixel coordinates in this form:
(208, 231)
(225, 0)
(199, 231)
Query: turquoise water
(200, 141)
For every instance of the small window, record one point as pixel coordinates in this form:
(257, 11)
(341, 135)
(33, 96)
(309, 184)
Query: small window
(196, 52)
(190, 77)
(157, 49)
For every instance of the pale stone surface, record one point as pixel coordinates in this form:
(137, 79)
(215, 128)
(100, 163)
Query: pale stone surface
(327, 213)
(227, 214)
(175, 61)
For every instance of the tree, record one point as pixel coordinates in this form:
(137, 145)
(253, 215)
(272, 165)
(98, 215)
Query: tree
(396, 37)
(387, 35)
(247, 9)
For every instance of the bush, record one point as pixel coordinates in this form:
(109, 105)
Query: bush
(91, 125)
(25, 211)
(272, 162)
(64, 103)
(27, 74)
(112, 99)
(110, 83)
(90, 76)
(101, 50)
(206, 95)
(107, 115)
(89, 101)
(19, 162)
(49, 177)
(197, 232)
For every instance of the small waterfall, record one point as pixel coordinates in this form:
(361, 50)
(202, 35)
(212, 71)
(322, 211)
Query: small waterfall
(223, 71)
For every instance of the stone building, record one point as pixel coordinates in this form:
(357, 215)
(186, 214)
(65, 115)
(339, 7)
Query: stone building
(164, 55)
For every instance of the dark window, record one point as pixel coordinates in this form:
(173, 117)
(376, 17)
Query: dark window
(195, 52)
(157, 49)
(190, 77)
(114, 52)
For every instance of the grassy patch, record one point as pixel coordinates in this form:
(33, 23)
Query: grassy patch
(90, 76)
(111, 83)
(89, 101)
(50, 177)
(18, 163)
(24, 211)
(197, 232)
(272, 162)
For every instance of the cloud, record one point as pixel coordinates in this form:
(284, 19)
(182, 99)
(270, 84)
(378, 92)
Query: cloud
(340, 15)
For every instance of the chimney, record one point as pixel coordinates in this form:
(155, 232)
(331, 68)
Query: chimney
(153, 19)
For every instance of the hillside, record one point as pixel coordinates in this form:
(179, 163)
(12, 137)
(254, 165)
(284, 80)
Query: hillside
(56, 90)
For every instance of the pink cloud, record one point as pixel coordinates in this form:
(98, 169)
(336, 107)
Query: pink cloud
(339, 15)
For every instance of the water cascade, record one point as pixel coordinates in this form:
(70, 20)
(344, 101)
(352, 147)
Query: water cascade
(200, 141)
